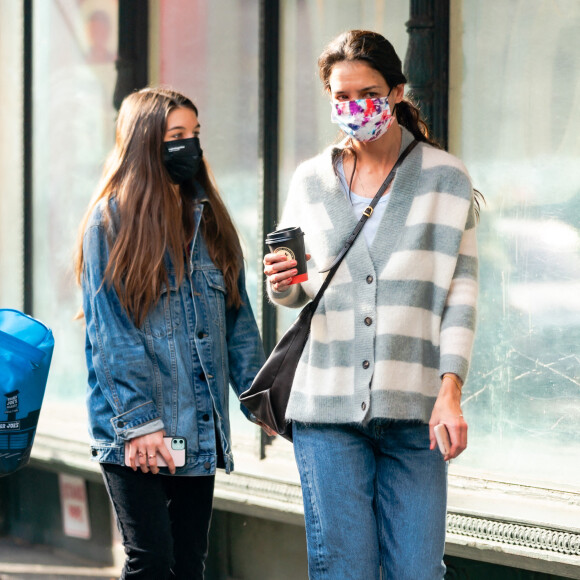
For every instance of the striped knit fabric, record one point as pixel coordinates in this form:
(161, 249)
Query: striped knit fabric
(397, 315)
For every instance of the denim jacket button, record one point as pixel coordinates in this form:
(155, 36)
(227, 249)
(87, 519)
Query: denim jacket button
(200, 335)
(202, 376)
(205, 417)
(120, 424)
(207, 465)
(94, 453)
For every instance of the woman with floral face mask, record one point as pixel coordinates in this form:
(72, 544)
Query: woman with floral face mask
(390, 342)
(168, 326)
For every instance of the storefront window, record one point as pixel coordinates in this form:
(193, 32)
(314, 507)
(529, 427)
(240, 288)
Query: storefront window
(209, 51)
(11, 170)
(520, 113)
(74, 52)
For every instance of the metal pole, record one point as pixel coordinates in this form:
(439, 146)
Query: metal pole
(268, 152)
(27, 161)
(427, 63)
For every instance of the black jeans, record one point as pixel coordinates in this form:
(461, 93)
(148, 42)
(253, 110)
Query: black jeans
(164, 522)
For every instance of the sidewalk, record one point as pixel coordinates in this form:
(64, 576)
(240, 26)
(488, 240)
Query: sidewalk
(22, 561)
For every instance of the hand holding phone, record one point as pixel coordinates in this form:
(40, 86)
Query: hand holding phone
(442, 436)
(175, 445)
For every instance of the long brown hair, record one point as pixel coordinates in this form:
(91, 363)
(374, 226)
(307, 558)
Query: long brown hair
(155, 215)
(379, 53)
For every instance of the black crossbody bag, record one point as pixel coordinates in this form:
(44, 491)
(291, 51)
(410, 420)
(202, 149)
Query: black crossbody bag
(268, 396)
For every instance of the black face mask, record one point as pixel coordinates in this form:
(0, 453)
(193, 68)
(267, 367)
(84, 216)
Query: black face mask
(182, 158)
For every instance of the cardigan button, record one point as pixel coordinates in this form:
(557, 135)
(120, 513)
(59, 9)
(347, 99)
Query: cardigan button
(368, 320)
(370, 279)
(363, 406)
(366, 364)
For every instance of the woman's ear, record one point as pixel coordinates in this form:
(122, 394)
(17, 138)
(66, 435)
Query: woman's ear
(398, 92)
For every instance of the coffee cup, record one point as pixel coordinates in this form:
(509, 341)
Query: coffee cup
(290, 243)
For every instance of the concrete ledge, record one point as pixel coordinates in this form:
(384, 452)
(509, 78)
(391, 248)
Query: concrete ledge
(525, 526)
(514, 556)
(62, 455)
(259, 496)
(532, 527)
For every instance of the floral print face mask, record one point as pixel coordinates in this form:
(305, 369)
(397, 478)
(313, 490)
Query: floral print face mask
(363, 119)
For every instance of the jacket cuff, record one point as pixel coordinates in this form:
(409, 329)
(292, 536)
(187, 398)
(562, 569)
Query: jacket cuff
(146, 429)
(141, 420)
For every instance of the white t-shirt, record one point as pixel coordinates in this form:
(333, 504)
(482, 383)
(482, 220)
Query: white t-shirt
(360, 203)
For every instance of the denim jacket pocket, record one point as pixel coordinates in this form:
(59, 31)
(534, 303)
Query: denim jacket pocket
(215, 279)
(217, 293)
(166, 314)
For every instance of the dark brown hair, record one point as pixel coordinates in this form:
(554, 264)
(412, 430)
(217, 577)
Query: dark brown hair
(154, 213)
(378, 52)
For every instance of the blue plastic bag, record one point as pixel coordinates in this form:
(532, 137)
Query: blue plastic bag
(26, 346)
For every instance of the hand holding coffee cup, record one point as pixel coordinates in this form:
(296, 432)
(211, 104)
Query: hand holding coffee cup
(286, 263)
(280, 271)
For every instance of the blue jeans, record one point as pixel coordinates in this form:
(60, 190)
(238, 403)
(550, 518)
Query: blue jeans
(164, 522)
(375, 498)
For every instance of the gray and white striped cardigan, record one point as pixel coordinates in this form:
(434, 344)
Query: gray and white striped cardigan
(396, 316)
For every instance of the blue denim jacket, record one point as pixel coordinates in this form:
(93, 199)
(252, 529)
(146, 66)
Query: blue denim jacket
(173, 372)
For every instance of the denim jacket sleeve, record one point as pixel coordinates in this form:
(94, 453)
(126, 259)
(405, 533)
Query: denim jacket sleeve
(122, 366)
(245, 350)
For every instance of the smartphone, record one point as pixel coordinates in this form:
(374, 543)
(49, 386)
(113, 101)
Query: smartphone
(175, 445)
(442, 436)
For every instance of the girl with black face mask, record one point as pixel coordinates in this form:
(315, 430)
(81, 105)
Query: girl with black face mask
(169, 326)
(182, 158)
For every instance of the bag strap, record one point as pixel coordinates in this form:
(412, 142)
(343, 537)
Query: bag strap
(359, 226)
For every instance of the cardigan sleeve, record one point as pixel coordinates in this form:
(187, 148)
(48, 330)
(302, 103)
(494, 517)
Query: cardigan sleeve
(292, 216)
(459, 314)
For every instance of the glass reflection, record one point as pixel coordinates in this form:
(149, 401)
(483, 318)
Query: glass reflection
(74, 51)
(522, 399)
(209, 51)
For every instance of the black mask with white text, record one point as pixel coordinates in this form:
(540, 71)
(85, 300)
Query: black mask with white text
(182, 158)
